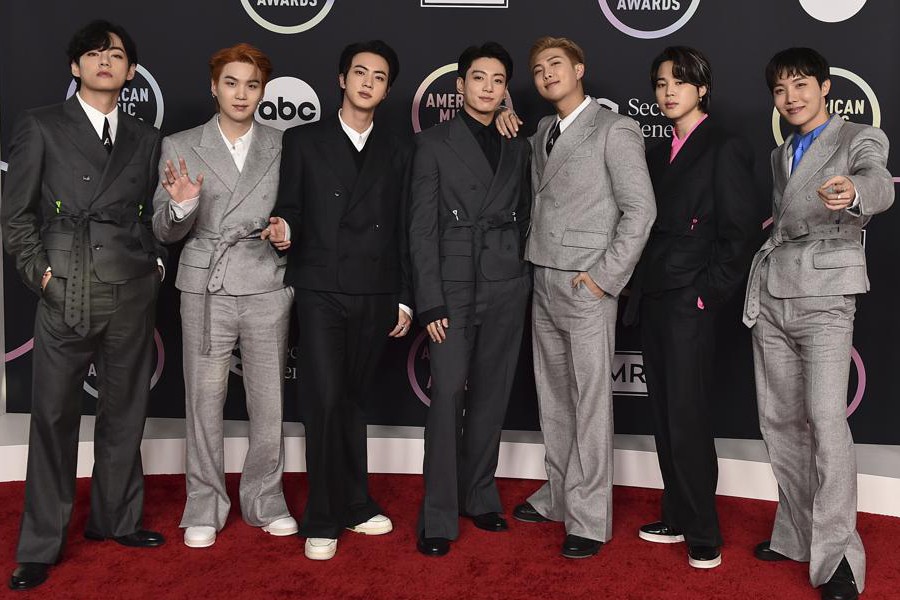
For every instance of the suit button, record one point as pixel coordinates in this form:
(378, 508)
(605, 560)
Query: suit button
(377, 226)
(556, 204)
(552, 234)
(98, 246)
(85, 177)
(337, 193)
(797, 260)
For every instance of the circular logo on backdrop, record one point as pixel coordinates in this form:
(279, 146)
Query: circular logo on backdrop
(141, 97)
(287, 16)
(288, 102)
(648, 19)
(418, 368)
(832, 11)
(437, 100)
(850, 98)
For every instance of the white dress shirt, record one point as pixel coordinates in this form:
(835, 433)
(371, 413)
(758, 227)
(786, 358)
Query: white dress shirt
(564, 123)
(96, 118)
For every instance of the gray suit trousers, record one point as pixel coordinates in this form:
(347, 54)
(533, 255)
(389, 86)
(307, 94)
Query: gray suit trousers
(801, 352)
(574, 344)
(259, 323)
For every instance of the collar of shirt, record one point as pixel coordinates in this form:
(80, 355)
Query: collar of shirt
(809, 137)
(356, 138)
(475, 126)
(563, 123)
(678, 143)
(240, 147)
(96, 118)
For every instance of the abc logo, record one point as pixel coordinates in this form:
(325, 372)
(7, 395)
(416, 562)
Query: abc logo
(288, 102)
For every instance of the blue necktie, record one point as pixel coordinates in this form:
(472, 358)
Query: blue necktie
(802, 143)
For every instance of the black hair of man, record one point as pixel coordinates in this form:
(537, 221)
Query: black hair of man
(805, 62)
(96, 35)
(485, 50)
(375, 47)
(689, 65)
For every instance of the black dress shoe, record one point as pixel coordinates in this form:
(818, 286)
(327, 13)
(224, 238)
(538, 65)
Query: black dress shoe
(490, 522)
(526, 512)
(764, 552)
(704, 557)
(576, 546)
(28, 575)
(139, 539)
(842, 585)
(435, 546)
(660, 533)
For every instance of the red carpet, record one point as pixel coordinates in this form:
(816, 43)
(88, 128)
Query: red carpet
(521, 563)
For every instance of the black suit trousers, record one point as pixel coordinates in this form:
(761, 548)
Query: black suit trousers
(342, 338)
(678, 341)
(471, 378)
(120, 343)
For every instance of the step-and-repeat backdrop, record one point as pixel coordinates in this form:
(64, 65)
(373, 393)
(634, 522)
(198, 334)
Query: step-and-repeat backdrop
(620, 38)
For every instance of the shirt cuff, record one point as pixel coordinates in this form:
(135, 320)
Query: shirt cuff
(407, 310)
(180, 210)
(287, 230)
(159, 263)
(853, 209)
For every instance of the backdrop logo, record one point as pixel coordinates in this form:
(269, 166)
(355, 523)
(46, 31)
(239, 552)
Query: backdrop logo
(850, 98)
(437, 100)
(157, 372)
(288, 102)
(652, 122)
(236, 365)
(464, 3)
(832, 11)
(141, 97)
(628, 374)
(648, 19)
(287, 16)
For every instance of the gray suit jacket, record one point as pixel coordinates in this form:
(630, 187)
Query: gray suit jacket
(223, 252)
(813, 251)
(593, 200)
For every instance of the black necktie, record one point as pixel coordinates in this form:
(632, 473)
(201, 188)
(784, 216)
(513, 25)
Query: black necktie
(107, 139)
(554, 135)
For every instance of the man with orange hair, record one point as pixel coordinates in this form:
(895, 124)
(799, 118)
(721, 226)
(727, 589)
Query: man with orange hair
(591, 216)
(232, 290)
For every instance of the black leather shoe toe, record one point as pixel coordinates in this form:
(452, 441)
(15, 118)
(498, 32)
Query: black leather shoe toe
(704, 557)
(139, 539)
(842, 585)
(660, 533)
(28, 575)
(435, 546)
(576, 546)
(527, 513)
(764, 552)
(490, 522)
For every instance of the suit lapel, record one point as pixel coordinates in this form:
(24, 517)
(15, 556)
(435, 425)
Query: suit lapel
(577, 131)
(260, 156)
(215, 154)
(77, 127)
(463, 144)
(374, 166)
(336, 155)
(504, 169)
(813, 160)
(123, 149)
(538, 154)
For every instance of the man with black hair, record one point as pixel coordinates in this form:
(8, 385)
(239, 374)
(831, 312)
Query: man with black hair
(830, 177)
(469, 207)
(86, 247)
(341, 202)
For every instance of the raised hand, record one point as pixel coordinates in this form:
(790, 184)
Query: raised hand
(179, 184)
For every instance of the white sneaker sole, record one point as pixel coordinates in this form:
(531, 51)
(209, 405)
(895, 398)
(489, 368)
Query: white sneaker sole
(320, 554)
(373, 530)
(660, 539)
(280, 532)
(705, 564)
(199, 543)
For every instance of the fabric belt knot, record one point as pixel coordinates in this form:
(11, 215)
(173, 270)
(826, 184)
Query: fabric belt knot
(249, 231)
(798, 232)
(498, 221)
(77, 308)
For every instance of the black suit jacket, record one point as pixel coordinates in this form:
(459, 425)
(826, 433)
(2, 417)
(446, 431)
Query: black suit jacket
(467, 223)
(348, 229)
(61, 177)
(708, 216)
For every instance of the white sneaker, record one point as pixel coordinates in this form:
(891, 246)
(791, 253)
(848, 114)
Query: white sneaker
(199, 536)
(320, 548)
(280, 527)
(377, 525)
